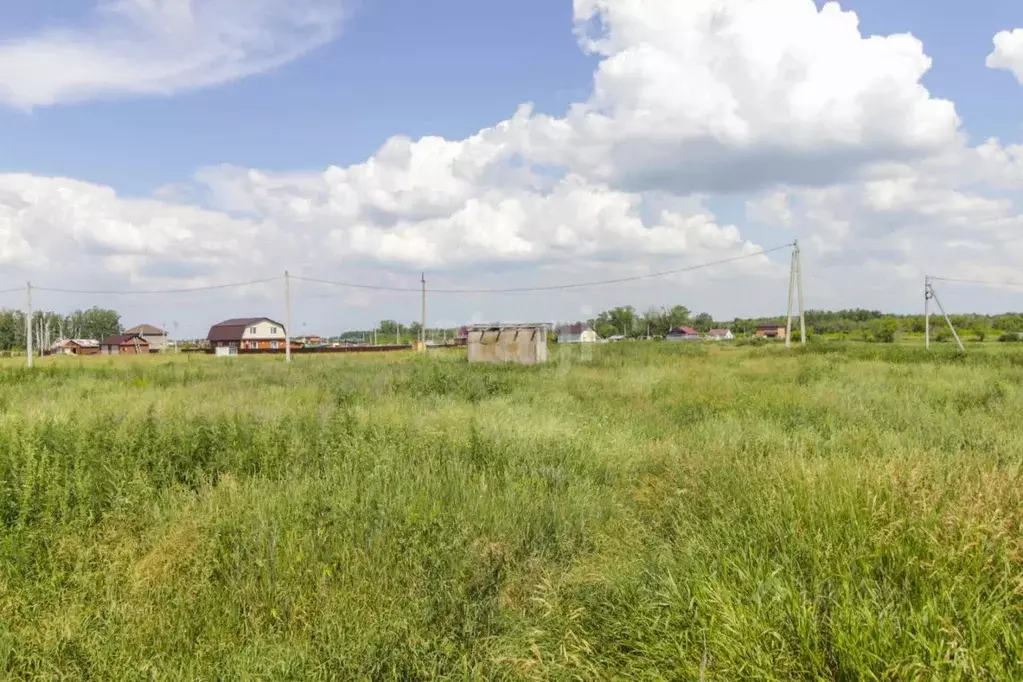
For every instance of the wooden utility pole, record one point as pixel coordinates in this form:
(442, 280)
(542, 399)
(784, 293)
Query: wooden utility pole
(28, 321)
(927, 311)
(422, 321)
(287, 317)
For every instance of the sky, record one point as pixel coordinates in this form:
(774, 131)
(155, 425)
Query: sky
(167, 145)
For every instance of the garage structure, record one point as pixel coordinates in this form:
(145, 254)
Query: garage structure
(525, 344)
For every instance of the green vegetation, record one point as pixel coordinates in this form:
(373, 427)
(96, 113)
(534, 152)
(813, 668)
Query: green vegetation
(47, 327)
(663, 511)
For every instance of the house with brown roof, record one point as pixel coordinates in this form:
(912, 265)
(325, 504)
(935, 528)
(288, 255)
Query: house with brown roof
(249, 334)
(75, 347)
(720, 335)
(124, 344)
(154, 336)
(682, 334)
(771, 331)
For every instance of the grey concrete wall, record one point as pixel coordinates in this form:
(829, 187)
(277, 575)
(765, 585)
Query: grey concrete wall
(526, 346)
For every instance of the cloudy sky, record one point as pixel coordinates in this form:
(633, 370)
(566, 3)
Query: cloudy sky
(171, 144)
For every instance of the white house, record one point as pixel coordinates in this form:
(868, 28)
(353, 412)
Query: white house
(577, 333)
(720, 335)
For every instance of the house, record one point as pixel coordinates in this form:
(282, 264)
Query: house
(248, 334)
(580, 332)
(309, 340)
(525, 344)
(124, 344)
(771, 331)
(75, 347)
(720, 335)
(154, 336)
(683, 334)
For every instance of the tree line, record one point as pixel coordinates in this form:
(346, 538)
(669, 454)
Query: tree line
(50, 327)
(871, 325)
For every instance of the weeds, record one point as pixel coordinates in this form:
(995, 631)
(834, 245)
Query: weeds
(662, 511)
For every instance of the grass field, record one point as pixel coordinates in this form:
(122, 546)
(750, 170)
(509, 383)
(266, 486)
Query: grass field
(664, 511)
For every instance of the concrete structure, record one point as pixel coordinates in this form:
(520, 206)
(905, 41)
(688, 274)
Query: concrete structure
(124, 344)
(683, 334)
(720, 335)
(249, 333)
(154, 336)
(771, 331)
(75, 347)
(579, 332)
(525, 344)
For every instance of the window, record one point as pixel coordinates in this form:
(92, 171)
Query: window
(273, 330)
(252, 330)
(274, 345)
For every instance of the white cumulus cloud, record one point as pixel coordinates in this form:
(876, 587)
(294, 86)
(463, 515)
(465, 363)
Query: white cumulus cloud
(1008, 52)
(160, 47)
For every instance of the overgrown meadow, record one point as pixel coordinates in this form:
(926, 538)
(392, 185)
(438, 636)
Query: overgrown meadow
(661, 511)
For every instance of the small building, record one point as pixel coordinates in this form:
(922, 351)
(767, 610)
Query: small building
(580, 332)
(771, 331)
(154, 336)
(309, 340)
(249, 334)
(682, 334)
(720, 335)
(75, 347)
(525, 344)
(124, 344)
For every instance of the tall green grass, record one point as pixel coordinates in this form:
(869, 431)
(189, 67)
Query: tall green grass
(661, 511)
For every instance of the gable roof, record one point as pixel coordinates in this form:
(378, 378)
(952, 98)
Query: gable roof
(146, 330)
(577, 328)
(718, 332)
(234, 329)
(683, 331)
(121, 339)
(772, 325)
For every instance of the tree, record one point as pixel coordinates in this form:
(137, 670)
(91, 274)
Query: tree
(703, 322)
(98, 323)
(885, 330)
(678, 316)
(388, 327)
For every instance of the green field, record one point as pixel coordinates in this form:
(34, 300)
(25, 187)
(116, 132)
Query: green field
(664, 511)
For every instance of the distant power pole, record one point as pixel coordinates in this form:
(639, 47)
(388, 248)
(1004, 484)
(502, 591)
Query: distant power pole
(287, 316)
(422, 322)
(927, 311)
(28, 321)
(795, 282)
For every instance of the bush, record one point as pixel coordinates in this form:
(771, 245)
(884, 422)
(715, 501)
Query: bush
(1010, 337)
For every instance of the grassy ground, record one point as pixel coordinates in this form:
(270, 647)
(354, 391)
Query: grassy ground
(664, 511)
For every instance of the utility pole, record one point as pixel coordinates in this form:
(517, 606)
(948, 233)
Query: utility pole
(792, 292)
(287, 317)
(422, 322)
(927, 311)
(948, 320)
(28, 321)
(799, 285)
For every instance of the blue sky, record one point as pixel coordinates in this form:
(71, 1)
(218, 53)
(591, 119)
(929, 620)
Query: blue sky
(408, 67)
(894, 190)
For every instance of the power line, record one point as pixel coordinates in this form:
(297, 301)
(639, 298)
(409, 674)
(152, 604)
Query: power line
(156, 291)
(556, 287)
(11, 291)
(977, 281)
